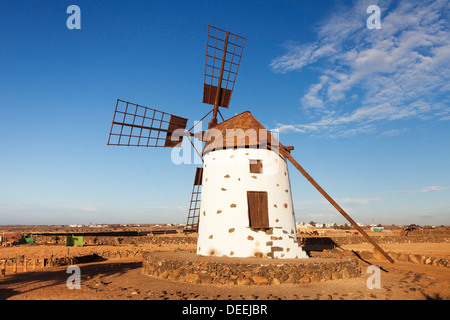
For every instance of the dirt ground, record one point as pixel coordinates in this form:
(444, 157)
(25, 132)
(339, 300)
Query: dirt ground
(122, 279)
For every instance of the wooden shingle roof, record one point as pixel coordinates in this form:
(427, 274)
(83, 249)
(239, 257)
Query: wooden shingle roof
(242, 130)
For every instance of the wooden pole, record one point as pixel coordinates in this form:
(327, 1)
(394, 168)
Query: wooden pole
(334, 204)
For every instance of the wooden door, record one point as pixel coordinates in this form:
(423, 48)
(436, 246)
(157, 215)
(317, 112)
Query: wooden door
(258, 209)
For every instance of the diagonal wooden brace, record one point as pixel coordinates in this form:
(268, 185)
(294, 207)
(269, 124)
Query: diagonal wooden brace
(346, 216)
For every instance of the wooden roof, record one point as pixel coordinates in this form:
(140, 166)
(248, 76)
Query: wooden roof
(242, 130)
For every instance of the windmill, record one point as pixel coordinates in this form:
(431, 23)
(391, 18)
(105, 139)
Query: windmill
(241, 203)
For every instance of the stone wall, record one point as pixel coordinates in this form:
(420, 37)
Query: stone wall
(404, 257)
(161, 240)
(232, 273)
(112, 240)
(23, 264)
(357, 239)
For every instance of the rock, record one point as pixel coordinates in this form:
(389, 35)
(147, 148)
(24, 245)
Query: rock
(315, 278)
(243, 282)
(260, 280)
(436, 262)
(422, 259)
(335, 276)
(291, 280)
(403, 257)
(327, 274)
(275, 281)
(191, 278)
(414, 258)
(345, 274)
(366, 255)
(304, 280)
(171, 277)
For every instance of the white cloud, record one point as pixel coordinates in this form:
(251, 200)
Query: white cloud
(368, 76)
(423, 190)
(394, 132)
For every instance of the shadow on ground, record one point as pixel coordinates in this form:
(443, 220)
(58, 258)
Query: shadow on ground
(34, 280)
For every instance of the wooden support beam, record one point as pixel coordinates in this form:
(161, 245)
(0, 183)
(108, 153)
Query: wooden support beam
(334, 204)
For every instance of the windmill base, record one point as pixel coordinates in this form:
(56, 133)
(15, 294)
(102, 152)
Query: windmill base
(189, 267)
(273, 243)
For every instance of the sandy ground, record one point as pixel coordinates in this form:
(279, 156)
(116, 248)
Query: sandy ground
(122, 279)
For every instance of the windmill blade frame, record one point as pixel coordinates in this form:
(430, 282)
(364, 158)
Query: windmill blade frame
(223, 57)
(139, 126)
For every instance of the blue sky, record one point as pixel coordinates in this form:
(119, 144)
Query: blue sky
(367, 110)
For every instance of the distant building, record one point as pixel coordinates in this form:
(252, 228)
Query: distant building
(361, 224)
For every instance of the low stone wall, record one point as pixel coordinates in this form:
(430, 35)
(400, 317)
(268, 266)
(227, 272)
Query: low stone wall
(319, 240)
(357, 239)
(21, 263)
(46, 262)
(406, 257)
(113, 240)
(188, 267)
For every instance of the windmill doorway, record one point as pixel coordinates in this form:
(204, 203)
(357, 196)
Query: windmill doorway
(258, 209)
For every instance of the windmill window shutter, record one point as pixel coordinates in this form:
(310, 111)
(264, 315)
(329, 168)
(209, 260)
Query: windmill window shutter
(258, 209)
(256, 166)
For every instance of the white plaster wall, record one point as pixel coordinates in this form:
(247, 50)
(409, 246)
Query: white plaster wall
(223, 222)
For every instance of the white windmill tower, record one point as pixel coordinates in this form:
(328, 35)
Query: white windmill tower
(246, 208)
(241, 203)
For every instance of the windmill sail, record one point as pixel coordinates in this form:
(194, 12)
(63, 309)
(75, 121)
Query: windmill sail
(223, 57)
(139, 126)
